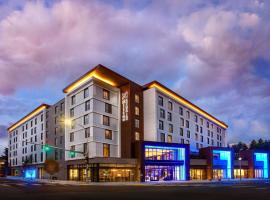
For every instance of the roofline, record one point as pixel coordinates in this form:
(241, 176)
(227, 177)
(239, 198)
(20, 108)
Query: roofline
(91, 73)
(28, 116)
(187, 103)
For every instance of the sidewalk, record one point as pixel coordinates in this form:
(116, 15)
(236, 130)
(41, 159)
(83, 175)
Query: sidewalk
(163, 183)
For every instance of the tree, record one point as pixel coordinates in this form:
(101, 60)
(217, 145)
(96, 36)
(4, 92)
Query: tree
(253, 144)
(239, 147)
(51, 166)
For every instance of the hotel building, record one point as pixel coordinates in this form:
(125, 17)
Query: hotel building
(118, 130)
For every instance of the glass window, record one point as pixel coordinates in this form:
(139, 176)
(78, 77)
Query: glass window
(108, 134)
(170, 105)
(108, 108)
(86, 92)
(106, 94)
(72, 112)
(169, 139)
(170, 128)
(106, 150)
(188, 114)
(188, 134)
(85, 147)
(162, 113)
(87, 105)
(161, 126)
(180, 110)
(196, 118)
(73, 100)
(182, 121)
(137, 98)
(169, 116)
(162, 137)
(87, 132)
(181, 132)
(86, 119)
(137, 123)
(137, 136)
(160, 101)
(106, 120)
(187, 124)
(71, 137)
(137, 111)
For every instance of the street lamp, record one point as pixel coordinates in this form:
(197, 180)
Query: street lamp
(240, 162)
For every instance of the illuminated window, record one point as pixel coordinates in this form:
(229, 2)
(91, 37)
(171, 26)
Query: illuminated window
(170, 105)
(106, 120)
(137, 111)
(106, 150)
(169, 139)
(106, 94)
(137, 136)
(137, 123)
(170, 128)
(137, 98)
(108, 134)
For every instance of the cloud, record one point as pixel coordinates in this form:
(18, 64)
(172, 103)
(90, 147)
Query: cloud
(205, 50)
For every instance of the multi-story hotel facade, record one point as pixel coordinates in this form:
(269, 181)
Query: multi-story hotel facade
(110, 128)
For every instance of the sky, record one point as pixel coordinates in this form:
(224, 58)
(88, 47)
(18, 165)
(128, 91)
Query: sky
(215, 53)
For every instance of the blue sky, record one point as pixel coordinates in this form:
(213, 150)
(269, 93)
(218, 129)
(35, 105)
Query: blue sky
(215, 53)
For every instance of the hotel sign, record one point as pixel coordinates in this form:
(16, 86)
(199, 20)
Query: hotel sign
(124, 106)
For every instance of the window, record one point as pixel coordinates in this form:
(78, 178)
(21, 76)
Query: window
(187, 124)
(72, 112)
(201, 130)
(188, 114)
(201, 121)
(137, 111)
(201, 138)
(62, 106)
(182, 141)
(170, 128)
(41, 157)
(207, 124)
(182, 122)
(35, 121)
(108, 134)
(196, 136)
(180, 110)
(162, 137)
(72, 124)
(85, 147)
(106, 94)
(160, 101)
(87, 105)
(170, 105)
(137, 136)
(87, 132)
(161, 126)
(181, 132)
(55, 109)
(197, 145)
(73, 100)
(108, 108)
(86, 92)
(197, 127)
(208, 133)
(71, 137)
(169, 139)
(106, 120)
(196, 118)
(208, 140)
(169, 116)
(137, 123)
(188, 134)
(86, 119)
(106, 150)
(162, 113)
(137, 98)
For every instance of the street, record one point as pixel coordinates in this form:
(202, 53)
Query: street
(14, 189)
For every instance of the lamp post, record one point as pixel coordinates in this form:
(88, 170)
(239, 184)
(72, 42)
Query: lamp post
(240, 163)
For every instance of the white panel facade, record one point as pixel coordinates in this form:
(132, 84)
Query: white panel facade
(76, 137)
(32, 131)
(173, 122)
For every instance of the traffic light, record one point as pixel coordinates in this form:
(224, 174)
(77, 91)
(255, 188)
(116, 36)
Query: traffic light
(46, 148)
(72, 154)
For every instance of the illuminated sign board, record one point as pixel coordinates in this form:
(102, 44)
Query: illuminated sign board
(124, 106)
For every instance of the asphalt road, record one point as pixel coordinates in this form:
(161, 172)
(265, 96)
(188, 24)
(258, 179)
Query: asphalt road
(11, 189)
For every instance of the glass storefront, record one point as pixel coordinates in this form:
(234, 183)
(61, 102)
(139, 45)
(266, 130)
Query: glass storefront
(73, 174)
(162, 173)
(116, 175)
(222, 164)
(244, 173)
(197, 174)
(261, 165)
(164, 162)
